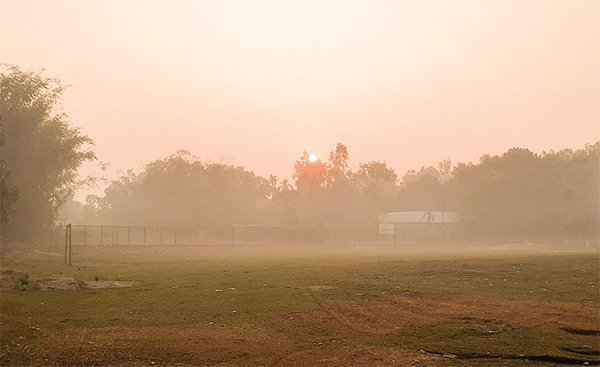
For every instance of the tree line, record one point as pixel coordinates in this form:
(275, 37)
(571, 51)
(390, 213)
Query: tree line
(516, 194)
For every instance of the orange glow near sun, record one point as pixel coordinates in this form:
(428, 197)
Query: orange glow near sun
(312, 158)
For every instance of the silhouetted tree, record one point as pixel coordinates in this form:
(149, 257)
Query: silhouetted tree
(309, 176)
(311, 179)
(9, 193)
(181, 190)
(341, 197)
(377, 184)
(41, 150)
(444, 169)
(516, 195)
(338, 165)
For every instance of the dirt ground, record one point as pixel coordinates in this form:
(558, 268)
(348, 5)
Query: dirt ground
(16, 280)
(346, 328)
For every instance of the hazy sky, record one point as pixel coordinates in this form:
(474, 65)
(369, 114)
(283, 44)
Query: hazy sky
(258, 82)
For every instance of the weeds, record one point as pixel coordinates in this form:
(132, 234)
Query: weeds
(299, 310)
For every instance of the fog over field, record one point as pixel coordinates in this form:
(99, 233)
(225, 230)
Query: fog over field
(200, 122)
(299, 183)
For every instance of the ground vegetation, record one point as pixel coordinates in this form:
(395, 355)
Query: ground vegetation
(298, 306)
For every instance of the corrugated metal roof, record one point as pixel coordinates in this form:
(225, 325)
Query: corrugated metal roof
(420, 217)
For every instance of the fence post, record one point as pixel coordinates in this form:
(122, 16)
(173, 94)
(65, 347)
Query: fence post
(66, 241)
(68, 244)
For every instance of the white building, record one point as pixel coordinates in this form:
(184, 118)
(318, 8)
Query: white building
(419, 223)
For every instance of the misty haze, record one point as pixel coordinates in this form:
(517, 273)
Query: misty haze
(299, 183)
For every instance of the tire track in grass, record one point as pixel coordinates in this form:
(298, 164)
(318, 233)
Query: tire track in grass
(352, 312)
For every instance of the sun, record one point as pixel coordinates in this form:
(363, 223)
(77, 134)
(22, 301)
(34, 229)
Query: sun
(312, 158)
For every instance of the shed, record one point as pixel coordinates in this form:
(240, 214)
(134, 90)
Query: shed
(419, 223)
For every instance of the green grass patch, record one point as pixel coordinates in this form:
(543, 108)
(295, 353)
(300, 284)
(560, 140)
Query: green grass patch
(298, 308)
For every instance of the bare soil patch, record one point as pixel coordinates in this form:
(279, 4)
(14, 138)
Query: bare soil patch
(21, 281)
(388, 315)
(201, 346)
(363, 356)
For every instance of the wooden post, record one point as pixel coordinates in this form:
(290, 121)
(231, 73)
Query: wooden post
(66, 241)
(68, 244)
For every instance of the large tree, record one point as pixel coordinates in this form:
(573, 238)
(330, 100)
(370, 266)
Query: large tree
(42, 151)
(330, 193)
(517, 195)
(341, 201)
(181, 190)
(338, 169)
(377, 184)
(9, 193)
(309, 176)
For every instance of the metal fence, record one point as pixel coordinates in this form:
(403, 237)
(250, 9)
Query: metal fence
(111, 235)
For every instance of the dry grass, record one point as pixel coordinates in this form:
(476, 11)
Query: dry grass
(305, 309)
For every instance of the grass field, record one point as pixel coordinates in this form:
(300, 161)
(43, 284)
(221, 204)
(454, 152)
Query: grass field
(303, 306)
